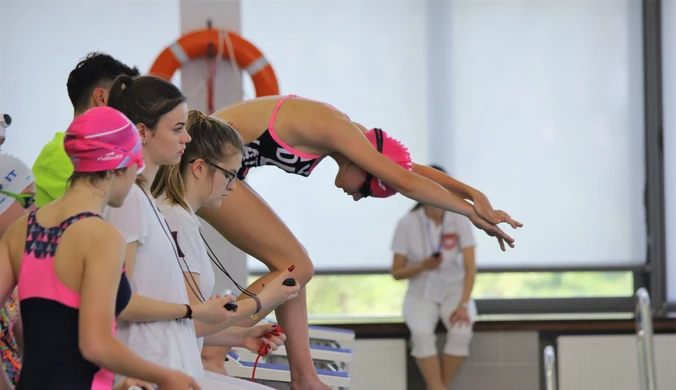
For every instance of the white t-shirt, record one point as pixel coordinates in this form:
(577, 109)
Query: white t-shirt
(417, 238)
(157, 275)
(194, 258)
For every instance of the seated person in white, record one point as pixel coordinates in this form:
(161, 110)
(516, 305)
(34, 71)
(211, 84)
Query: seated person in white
(434, 250)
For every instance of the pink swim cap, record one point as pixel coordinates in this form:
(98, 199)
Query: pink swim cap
(103, 139)
(392, 149)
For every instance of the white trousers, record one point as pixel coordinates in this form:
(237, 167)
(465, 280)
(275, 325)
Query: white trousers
(422, 315)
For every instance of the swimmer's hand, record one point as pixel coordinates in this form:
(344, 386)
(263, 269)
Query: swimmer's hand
(482, 206)
(176, 380)
(492, 230)
(212, 311)
(276, 293)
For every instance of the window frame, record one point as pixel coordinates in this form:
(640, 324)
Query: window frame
(654, 152)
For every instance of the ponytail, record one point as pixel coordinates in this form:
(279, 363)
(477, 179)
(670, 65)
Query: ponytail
(196, 117)
(169, 181)
(115, 96)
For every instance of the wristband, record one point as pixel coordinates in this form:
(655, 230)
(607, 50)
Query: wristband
(188, 312)
(259, 307)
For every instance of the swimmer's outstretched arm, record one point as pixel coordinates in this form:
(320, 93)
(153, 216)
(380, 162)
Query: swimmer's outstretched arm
(347, 138)
(481, 203)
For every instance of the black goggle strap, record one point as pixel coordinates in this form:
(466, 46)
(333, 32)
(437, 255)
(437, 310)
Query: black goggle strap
(365, 189)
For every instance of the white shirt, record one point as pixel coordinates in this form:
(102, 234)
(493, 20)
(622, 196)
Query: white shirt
(195, 258)
(157, 275)
(417, 238)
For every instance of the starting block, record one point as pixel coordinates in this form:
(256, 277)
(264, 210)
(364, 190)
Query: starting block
(330, 337)
(278, 376)
(324, 357)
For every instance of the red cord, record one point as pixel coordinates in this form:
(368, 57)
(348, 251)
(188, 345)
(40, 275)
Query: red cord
(253, 376)
(211, 77)
(264, 348)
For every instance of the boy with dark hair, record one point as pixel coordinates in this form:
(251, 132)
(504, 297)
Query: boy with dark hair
(89, 83)
(88, 86)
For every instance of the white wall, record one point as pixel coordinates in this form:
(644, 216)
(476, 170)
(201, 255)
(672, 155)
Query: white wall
(378, 364)
(611, 362)
(42, 41)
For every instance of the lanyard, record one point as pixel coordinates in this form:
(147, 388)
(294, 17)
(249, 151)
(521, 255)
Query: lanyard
(428, 226)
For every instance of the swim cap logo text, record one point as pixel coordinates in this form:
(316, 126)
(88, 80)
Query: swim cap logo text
(112, 156)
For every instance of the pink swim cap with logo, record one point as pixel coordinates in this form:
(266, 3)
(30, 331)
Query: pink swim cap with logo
(103, 139)
(392, 149)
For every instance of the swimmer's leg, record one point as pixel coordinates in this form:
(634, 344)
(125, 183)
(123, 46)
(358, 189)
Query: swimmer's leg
(250, 224)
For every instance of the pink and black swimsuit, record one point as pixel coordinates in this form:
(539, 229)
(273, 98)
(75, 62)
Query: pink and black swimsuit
(50, 314)
(269, 149)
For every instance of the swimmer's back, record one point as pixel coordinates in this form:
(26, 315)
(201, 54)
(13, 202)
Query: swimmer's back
(58, 246)
(251, 118)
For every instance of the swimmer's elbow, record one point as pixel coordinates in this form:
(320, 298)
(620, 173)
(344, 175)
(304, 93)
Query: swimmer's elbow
(412, 185)
(93, 348)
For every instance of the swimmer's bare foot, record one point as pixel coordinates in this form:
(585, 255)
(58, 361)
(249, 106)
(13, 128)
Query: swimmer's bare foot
(308, 383)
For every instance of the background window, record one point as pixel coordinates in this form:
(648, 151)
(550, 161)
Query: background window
(538, 104)
(373, 296)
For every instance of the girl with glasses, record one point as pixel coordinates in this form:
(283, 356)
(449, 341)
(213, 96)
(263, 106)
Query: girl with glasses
(204, 177)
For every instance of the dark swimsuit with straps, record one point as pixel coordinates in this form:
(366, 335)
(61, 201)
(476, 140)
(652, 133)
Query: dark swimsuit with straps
(50, 314)
(269, 149)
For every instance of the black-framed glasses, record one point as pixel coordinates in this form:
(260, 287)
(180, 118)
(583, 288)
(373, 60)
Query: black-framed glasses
(229, 175)
(26, 200)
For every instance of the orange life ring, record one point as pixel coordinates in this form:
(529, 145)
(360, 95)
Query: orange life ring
(195, 44)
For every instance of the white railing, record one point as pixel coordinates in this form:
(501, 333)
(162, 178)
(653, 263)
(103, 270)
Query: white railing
(550, 368)
(644, 333)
